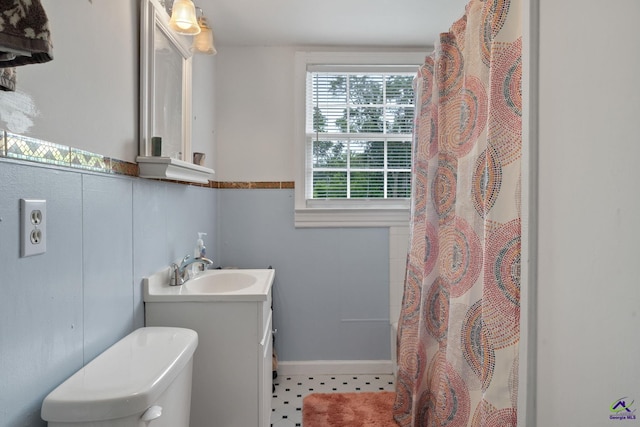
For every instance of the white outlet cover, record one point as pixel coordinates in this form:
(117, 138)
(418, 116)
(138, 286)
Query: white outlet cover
(33, 218)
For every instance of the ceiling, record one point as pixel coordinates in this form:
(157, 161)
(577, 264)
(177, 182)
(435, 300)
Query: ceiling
(353, 23)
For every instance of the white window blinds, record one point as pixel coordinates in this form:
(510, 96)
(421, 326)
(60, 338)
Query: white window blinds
(359, 122)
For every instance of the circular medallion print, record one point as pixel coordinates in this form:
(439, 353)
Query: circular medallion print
(425, 84)
(411, 355)
(473, 114)
(466, 117)
(476, 345)
(450, 67)
(460, 256)
(436, 312)
(402, 404)
(486, 181)
(411, 295)
(419, 191)
(449, 401)
(505, 117)
(494, 15)
(486, 415)
(444, 187)
(501, 302)
(506, 88)
(432, 248)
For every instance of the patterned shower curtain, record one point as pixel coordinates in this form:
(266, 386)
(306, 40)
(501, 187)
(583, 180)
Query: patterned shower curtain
(459, 326)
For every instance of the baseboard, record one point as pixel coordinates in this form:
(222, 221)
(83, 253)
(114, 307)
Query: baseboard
(328, 367)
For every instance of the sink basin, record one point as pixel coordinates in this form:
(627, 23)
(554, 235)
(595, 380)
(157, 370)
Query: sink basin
(211, 282)
(211, 285)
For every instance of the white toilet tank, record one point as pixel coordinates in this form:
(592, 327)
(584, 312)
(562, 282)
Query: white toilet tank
(142, 380)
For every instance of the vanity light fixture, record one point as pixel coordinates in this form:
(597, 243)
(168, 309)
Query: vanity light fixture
(183, 18)
(203, 42)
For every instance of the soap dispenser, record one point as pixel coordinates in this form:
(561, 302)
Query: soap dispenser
(200, 251)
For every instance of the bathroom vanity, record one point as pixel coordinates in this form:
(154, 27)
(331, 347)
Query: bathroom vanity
(231, 311)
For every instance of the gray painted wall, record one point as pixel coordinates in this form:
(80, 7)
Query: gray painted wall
(588, 291)
(60, 309)
(331, 295)
(105, 233)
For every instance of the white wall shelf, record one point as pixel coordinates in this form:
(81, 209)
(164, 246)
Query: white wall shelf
(169, 168)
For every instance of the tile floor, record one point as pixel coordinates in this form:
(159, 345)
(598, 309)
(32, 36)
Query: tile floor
(286, 402)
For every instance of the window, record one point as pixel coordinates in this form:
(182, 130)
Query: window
(355, 138)
(359, 134)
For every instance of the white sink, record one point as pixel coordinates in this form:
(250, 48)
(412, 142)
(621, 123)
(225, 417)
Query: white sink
(220, 281)
(211, 285)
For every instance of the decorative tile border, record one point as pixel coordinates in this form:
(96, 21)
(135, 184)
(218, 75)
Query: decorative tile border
(241, 185)
(124, 168)
(25, 148)
(13, 146)
(251, 185)
(85, 160)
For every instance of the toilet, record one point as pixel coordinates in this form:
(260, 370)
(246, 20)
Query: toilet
(142, 380)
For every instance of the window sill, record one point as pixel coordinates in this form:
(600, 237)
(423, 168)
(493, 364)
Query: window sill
(331, 217)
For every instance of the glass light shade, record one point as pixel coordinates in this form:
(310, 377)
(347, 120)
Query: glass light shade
(183, 17)
(203, 42)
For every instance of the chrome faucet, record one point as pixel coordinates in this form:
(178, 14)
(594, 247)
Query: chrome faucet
(180, 274)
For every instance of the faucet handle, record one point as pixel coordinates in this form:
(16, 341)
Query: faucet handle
(176, 278)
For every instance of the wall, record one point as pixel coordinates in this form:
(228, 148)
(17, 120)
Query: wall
(331, 292)
(94, 70)
(588, 289)
(105, 232)
(254, 92)
(60, 309)
(331, 300)
(87, 97)
(204, 108)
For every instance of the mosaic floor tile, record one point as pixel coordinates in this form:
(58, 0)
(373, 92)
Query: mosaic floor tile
(286, 401)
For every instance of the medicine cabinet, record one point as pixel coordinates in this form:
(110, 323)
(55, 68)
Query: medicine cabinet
(165, 99)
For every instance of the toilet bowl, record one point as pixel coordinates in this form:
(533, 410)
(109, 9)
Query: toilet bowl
(142, 380)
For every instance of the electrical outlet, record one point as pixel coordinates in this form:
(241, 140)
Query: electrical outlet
(33, 227)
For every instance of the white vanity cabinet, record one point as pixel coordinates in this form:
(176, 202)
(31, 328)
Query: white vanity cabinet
(232, 366)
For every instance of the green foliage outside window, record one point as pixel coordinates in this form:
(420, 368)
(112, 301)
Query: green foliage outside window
(362, 126)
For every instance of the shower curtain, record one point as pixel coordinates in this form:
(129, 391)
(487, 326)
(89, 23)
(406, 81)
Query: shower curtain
(459, 325)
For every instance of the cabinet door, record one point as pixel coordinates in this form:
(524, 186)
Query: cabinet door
(265, 376)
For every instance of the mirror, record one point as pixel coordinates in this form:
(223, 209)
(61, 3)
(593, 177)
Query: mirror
(165, 85)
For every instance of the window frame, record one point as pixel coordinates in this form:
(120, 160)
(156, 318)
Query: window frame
(341, 212)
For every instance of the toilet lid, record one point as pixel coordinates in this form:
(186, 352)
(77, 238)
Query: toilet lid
(125, 379)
